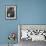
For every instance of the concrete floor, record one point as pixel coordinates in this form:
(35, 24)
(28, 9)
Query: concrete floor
(28, 43)
(7, 45)
(31, 43)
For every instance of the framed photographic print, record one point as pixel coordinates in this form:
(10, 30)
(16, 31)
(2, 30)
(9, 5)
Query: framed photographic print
(11, 12)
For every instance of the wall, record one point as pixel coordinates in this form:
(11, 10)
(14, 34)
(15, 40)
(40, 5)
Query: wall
(7, 26)
(33, 12)
(28, 12)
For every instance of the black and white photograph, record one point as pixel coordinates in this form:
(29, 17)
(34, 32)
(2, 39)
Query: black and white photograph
(11, 12)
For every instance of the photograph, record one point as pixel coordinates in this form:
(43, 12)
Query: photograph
(10, 12)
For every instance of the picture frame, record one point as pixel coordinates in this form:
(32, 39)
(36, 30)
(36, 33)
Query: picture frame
(10, 12)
